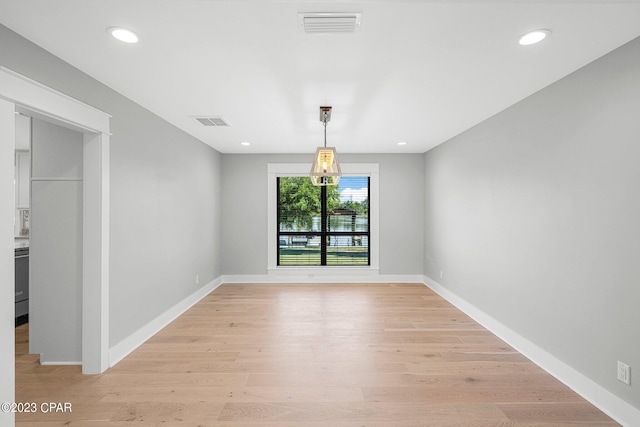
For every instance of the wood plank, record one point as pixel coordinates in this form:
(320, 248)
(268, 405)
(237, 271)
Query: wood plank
(363, 412)
(305, 355)
(580, 412)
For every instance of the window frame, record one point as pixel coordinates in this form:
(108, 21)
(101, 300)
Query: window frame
(275, 170)
(325, 232)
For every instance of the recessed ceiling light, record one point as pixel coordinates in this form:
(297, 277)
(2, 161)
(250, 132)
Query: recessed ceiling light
(123, 34)
(245, 143)
(402, 143)
(533, 37)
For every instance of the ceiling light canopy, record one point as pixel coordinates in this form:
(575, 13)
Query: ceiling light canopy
(123, 34)
(325, 169)
(533, 37)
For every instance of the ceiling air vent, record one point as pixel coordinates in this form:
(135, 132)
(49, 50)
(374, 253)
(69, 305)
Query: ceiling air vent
(213, 121)
(329, 23)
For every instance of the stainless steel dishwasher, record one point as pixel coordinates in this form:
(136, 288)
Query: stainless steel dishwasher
(22, 285)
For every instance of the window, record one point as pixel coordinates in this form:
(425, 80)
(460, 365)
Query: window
(283, 272)
(323, 226)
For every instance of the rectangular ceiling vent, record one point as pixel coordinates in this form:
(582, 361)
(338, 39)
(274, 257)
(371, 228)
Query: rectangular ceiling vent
(329, 23)
(213, 121)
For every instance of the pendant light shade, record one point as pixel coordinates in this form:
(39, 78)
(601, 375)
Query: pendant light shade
(325, 169)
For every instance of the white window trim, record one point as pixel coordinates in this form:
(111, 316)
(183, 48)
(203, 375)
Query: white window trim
(371, 170)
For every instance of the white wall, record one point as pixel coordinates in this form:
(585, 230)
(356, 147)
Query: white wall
(55, 269)
(165, 188)
(533, 217)
(165, 220)
(244, 214)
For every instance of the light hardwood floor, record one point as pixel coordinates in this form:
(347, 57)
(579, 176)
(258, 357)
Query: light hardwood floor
(340, 355)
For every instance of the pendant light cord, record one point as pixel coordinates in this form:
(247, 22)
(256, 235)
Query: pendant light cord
(324, 122)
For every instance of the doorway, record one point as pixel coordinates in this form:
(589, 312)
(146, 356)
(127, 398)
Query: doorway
(21, 94)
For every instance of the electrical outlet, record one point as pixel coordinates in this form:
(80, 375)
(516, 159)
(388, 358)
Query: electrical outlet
(441, 274)
(197, 279)
(624, 373)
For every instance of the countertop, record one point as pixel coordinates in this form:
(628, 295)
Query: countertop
(21, 242)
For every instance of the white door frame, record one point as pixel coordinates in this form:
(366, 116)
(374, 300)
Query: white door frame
(40, 101)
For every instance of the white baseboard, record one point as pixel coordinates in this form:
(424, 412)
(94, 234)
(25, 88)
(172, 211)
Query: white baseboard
(607, 402)
(322, 276)
(133, 341)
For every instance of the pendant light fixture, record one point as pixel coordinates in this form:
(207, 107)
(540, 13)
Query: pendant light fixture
(325, 169)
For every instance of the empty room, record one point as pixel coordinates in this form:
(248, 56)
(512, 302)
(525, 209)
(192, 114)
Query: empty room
(303, 213)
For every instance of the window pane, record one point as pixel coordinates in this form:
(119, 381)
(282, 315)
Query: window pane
(299, 250)
(298, 204)
(352, 212)
(348, 250)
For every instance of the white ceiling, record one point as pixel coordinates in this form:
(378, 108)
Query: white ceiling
(418, 71)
